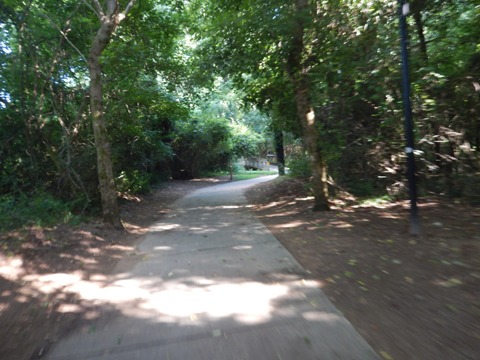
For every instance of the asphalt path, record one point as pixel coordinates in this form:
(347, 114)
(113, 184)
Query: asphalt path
(211, 283)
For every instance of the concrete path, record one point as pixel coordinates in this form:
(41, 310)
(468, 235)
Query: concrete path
(213, 283)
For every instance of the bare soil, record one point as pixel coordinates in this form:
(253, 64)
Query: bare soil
(410, 297)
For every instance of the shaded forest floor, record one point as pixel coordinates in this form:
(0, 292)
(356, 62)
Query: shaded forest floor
(411, 298)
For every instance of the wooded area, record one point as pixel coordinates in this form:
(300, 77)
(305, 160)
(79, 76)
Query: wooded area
(112, 97)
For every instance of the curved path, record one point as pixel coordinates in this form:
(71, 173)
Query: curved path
(213, 283)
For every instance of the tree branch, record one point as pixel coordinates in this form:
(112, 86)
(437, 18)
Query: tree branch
(112, 7)
(129, 7)
(64, 34)
(97, 9)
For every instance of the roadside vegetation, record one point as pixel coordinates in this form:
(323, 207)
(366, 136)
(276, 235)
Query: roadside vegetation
(186, 91)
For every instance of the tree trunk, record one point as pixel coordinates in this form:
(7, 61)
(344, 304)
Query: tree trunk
(297, 69)
(311, 137)
(108, 192)
(418, 7)
(280, 152)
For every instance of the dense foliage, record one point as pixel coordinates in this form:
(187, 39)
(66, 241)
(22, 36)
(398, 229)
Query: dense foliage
(351, 58)
(169, 113)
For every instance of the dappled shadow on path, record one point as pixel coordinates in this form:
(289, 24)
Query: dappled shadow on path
(38, 264)
(210, 276)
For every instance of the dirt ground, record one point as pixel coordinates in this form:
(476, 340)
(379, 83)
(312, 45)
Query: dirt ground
(33, 312)
(410, 297)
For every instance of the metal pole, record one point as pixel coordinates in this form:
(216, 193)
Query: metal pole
(404, 9)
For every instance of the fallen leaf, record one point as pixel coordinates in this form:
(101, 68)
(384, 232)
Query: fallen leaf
(451, 282)
(386, 356)
(451, 307)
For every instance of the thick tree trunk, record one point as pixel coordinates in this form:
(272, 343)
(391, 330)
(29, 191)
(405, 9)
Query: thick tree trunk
(311, 137)
(298, 72)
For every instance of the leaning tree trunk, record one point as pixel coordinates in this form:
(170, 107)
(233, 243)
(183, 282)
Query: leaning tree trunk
(109, 18)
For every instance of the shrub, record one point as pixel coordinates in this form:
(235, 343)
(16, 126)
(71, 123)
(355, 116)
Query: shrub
(40, 209)
(299, 165)
(135, 182)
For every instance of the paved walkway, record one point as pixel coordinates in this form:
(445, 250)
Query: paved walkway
(213, 284)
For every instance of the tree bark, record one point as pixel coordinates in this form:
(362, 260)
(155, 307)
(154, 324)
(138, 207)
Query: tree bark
(280, 152)
(311, 137)
(108, 193)
(417, 8)
(109, 21)
(297, 69)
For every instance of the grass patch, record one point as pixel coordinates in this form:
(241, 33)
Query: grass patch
(252, 174)
(244, 174)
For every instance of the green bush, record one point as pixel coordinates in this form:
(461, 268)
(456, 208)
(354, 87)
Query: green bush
(200, 145)
(471, 189)
(299, 166)
(39, 209)
(135, 182)
(362, 188)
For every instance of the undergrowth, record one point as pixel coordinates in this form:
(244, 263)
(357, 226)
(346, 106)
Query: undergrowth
(38, 209)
